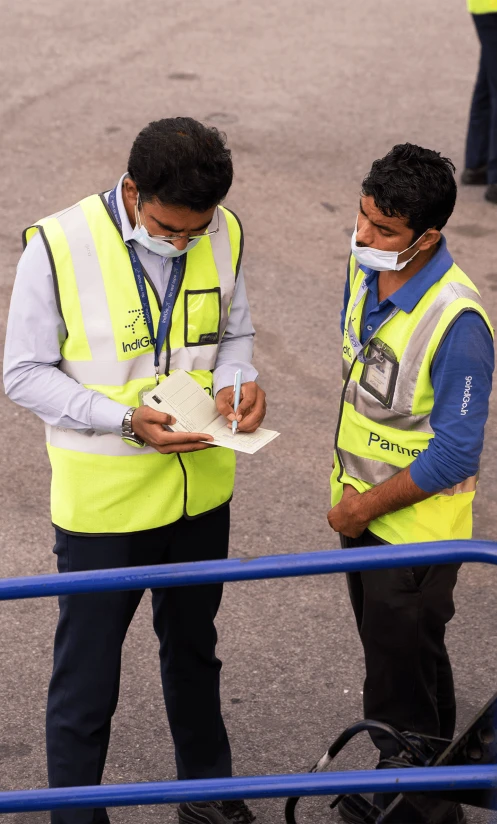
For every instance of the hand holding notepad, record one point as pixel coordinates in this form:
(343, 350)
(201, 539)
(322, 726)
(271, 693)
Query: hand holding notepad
(195, 411)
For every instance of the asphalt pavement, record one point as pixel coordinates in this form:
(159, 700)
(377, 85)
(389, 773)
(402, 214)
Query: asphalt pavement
(309, 93)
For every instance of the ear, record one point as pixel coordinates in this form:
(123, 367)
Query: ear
(429, 240)
(130, 192)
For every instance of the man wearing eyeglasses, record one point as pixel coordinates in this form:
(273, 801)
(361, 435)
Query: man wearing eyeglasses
(111, 296)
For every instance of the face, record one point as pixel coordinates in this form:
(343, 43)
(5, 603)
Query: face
(163, 221)
(389, 234)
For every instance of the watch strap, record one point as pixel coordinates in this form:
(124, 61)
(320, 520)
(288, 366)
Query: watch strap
(127, 433)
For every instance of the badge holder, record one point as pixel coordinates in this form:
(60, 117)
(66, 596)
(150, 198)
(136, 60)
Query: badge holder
(380, 375)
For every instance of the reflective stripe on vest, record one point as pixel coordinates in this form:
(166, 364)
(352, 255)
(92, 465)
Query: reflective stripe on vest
(401, 415)
(99, 483)
(373, 441)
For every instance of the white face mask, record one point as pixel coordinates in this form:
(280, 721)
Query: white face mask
(161, 247)
(379, 260)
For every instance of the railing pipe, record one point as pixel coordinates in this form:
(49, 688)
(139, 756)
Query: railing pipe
(245, 569)
(417, 779)
(249, 569)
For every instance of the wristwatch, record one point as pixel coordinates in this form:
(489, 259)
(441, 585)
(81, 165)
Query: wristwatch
(127, 433)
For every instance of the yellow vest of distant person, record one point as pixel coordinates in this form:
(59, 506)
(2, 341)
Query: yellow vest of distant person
(376, 438)
(99, 483)
(482, 6)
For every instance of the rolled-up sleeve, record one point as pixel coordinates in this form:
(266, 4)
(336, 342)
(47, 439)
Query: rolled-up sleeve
(462, 383)
(237, 346)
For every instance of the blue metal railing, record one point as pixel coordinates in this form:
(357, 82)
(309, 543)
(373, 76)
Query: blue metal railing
(246, 569)
(265, 786)
(250, 569)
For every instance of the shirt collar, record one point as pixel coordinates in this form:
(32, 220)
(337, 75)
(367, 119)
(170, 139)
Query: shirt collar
(126, 228)
(409, 295)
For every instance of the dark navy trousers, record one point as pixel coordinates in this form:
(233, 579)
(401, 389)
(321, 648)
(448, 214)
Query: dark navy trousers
(401, 616)
(84, 688)
(481, 146)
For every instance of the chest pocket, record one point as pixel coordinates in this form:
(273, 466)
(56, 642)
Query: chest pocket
(202, 316)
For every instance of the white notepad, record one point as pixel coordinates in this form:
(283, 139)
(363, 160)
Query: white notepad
(195, 411)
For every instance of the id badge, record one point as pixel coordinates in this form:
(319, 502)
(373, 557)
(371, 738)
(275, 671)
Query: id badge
(379, 377)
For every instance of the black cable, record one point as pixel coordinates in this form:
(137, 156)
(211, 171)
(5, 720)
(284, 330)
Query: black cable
(339, 744)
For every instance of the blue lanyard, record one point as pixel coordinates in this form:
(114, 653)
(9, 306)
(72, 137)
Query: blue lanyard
(170, 296)
(358, 347)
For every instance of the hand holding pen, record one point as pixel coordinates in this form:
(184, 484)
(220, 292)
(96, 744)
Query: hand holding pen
(246, 411)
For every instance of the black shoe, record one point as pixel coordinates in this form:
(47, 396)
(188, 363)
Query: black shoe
(491, 193)
(356, 809)
(215, 812)
(474, 177)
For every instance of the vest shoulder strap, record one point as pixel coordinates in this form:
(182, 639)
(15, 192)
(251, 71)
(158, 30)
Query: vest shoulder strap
(235, 230)
(352, 270)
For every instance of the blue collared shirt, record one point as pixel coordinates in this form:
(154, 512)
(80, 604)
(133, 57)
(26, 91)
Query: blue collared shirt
(466, 353)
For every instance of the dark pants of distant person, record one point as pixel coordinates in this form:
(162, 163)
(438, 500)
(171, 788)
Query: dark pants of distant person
(401, 615)
(92, 627)
(481, 147)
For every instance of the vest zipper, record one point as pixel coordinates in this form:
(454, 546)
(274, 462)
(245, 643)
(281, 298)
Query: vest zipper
(345, 385)
(168, 334)
(167, 371)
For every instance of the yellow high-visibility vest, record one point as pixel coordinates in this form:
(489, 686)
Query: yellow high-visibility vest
(100, 484)
(482, 6)
(374, 439)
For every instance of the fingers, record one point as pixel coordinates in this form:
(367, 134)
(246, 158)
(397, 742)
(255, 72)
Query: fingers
(225, 407)
(151, 427)
(253, 419)
(153, 416)
(186, 437)
(145, 421)
(250, 392)
(181, 441)
(251, 409)
(183, 447)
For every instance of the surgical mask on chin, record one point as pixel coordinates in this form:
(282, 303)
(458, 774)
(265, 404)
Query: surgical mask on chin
(161, 247)
(379, 260)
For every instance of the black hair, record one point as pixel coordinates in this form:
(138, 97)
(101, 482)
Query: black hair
(413, 183)
(181, 162)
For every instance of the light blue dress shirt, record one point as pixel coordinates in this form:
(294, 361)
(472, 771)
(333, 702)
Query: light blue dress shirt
(36, 332)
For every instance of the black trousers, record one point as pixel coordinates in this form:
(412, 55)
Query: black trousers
(84, 688)
(401, 615)
(481, 146)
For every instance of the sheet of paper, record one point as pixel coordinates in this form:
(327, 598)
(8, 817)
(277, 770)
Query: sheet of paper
(248, 442)
(195, 411)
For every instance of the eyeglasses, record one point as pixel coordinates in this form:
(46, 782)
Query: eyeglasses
(172, 238)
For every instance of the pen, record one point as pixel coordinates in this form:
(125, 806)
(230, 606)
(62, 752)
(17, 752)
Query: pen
(238, 389)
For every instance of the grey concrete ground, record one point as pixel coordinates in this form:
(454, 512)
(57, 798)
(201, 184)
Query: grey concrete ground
(309, 94)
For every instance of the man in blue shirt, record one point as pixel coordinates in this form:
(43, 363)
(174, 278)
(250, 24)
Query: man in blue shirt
(402, 265)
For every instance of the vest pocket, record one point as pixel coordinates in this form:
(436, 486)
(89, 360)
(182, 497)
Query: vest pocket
(202, 316)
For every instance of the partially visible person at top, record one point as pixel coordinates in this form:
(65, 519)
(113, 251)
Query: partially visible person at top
(481, 145)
